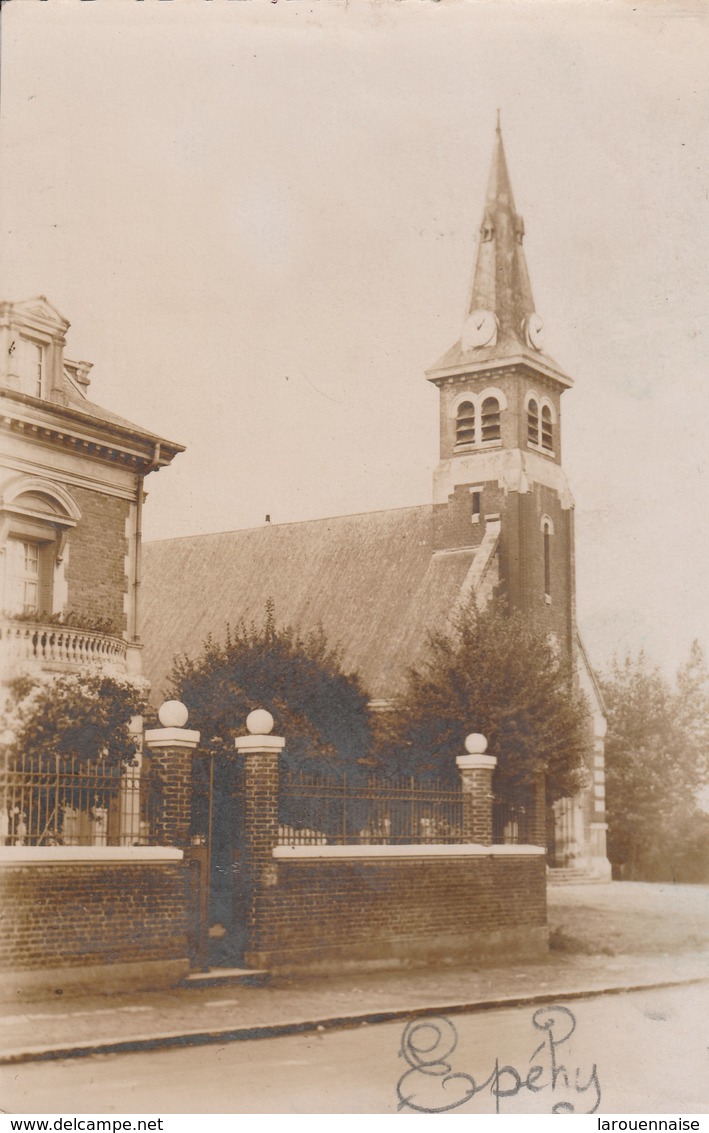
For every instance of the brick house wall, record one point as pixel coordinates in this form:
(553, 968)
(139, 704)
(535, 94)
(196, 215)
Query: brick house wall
(96, 563)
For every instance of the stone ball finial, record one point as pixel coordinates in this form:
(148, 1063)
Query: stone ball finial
(475, 744)
(173, 714)
(259, 722)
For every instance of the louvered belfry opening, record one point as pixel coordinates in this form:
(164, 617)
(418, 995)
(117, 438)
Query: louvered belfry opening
(490, 419)
(465, 424)
(547, 431)
(533, 423)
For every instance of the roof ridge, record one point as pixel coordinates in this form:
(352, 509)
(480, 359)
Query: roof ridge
(287, 523)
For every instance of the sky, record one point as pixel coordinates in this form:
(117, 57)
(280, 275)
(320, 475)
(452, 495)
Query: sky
(261, 218)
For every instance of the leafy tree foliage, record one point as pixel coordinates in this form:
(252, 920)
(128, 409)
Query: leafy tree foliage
(321, 711)
(85, 715)
(656, 765)
(497, 674)
(691, 706)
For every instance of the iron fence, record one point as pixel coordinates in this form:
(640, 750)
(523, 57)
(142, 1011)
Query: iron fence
(65, 801)
(315, 810)
(512, 823)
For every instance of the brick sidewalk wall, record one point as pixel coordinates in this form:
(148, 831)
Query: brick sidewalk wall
(322, 914)
(127, 917)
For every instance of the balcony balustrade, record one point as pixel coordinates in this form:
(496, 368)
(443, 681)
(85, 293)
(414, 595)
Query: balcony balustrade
(56, 647)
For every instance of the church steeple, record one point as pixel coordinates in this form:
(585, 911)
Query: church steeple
(501, 500)
(501, 324)
(501, 281)
(500, 408)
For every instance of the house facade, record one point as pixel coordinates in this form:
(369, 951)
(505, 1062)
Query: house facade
(71, 497)
(90, 897)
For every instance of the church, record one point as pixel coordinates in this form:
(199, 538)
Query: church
(501, 520)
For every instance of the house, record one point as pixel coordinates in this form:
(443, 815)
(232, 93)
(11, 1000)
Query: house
(501, 519)
(71, 499)
(85, 885)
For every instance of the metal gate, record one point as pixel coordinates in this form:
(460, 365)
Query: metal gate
(216, 871)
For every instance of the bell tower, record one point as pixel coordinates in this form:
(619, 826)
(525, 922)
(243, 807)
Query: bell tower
(500, 427)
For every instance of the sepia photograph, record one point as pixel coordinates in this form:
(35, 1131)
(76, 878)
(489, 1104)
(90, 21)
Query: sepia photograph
(354, 557)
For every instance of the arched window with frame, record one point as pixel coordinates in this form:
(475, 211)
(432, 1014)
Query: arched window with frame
(490, 419)
(532, 422)
(465, 424)
(35, 518)
(547, 429)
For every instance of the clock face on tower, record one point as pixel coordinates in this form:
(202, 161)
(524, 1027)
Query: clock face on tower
(535, 326)
(480, 329)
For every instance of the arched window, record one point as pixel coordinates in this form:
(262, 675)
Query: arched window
(35, 518)
(490, 419)
(533, 423)
(547, 429)
(465, 424)
(547, 531)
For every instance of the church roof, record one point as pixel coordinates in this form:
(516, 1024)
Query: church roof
(371, 580)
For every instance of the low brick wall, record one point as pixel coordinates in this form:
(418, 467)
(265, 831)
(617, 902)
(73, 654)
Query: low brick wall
(105, 923)
(323, 913)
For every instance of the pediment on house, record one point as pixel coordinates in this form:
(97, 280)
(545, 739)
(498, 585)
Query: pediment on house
(40, 312)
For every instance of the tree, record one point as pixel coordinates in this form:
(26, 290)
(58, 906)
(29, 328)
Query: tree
(499, 674)
(691, 704)
(84, 715)
(65, 745)
(321, 711)
(656, 750)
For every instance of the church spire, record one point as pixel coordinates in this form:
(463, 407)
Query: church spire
(501, 325)
(501, 280)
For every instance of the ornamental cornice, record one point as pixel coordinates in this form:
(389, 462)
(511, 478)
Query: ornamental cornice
(496, 366)
(103, 441)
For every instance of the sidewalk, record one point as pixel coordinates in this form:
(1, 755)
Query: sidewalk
(148, 1020)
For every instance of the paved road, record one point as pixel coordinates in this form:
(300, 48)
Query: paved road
(640, 1052)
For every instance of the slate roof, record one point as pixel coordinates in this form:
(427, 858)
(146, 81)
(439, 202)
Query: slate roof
(100, 414)
(372, 581)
